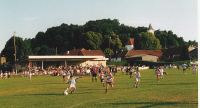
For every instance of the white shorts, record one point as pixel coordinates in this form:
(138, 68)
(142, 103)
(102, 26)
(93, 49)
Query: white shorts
(194, 69)
(72, 86)
(161, 74)
(68, 77)
(136, 79)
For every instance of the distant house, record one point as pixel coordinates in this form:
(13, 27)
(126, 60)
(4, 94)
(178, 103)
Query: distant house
(130, 44)
(146, 55)
(83, 52)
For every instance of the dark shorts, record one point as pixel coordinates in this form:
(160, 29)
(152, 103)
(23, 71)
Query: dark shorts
(94, 75)
(110, 83)
(102, 80)
(184, 69)
(63, 76)
(131, 73)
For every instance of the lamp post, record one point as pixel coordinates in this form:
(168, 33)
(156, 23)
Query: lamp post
(109, 52)
(15, 51)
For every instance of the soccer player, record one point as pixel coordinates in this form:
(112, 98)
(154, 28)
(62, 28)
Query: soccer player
(184, 68)
(94, 75)
(161, 73)
(137, 78)
(194, 69)
(101, 76)
(131, 72)
(109, 80)
(72, 82)
(157, 71)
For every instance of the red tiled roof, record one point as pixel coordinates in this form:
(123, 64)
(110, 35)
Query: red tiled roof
(92, 53)
(139, 52)
(73, 52)
(130, 41)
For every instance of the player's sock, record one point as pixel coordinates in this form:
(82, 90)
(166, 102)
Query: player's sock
(72, 91)
(96, 79)
(106, 90)
(103, 85)
(92, 79)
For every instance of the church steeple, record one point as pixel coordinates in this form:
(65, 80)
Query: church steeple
(150, 29)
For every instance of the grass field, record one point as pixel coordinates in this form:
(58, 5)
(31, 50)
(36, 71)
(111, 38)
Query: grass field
(175, 90)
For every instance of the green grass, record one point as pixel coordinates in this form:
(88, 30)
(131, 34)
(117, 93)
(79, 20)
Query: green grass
(175, 90)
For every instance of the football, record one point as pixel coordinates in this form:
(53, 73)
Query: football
(65, 93)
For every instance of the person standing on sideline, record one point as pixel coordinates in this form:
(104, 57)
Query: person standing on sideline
(161, 73)
(131, 72)
(30, 75)
(157, 71)
(63, 74)
(1, 74)
(178, 66)
(123, 70)
(94, 75)
(184, 68)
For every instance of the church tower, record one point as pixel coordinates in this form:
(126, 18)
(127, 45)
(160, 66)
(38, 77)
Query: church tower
(150, 29)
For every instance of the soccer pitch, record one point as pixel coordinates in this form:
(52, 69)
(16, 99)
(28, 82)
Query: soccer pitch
(175, 90)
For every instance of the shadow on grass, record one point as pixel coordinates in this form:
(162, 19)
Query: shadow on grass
(152, 104)
(46, 94)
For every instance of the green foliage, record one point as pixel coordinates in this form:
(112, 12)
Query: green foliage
(23, 49)
(168, 39)
(108, 52)
(45, 50)
(92, 40)
(147, 41)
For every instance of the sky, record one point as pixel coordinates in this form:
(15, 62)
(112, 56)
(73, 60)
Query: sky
(28, 17)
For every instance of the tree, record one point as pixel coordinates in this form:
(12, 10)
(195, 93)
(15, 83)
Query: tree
(45, 50)
(147, 41)
(92, 40)
(108, 52)
(23, 49)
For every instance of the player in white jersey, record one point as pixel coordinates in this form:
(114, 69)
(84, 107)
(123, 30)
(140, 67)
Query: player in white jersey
(194, 69)
(184, 68)
(137, 78)
(101, 77)
(161, 73)
(109, 80)
(157, 71)
(72, 82)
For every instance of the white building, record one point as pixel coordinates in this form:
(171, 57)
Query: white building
(130, 44)
(150, 29)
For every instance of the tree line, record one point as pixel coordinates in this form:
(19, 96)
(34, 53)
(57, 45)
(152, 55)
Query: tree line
(94, 35)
